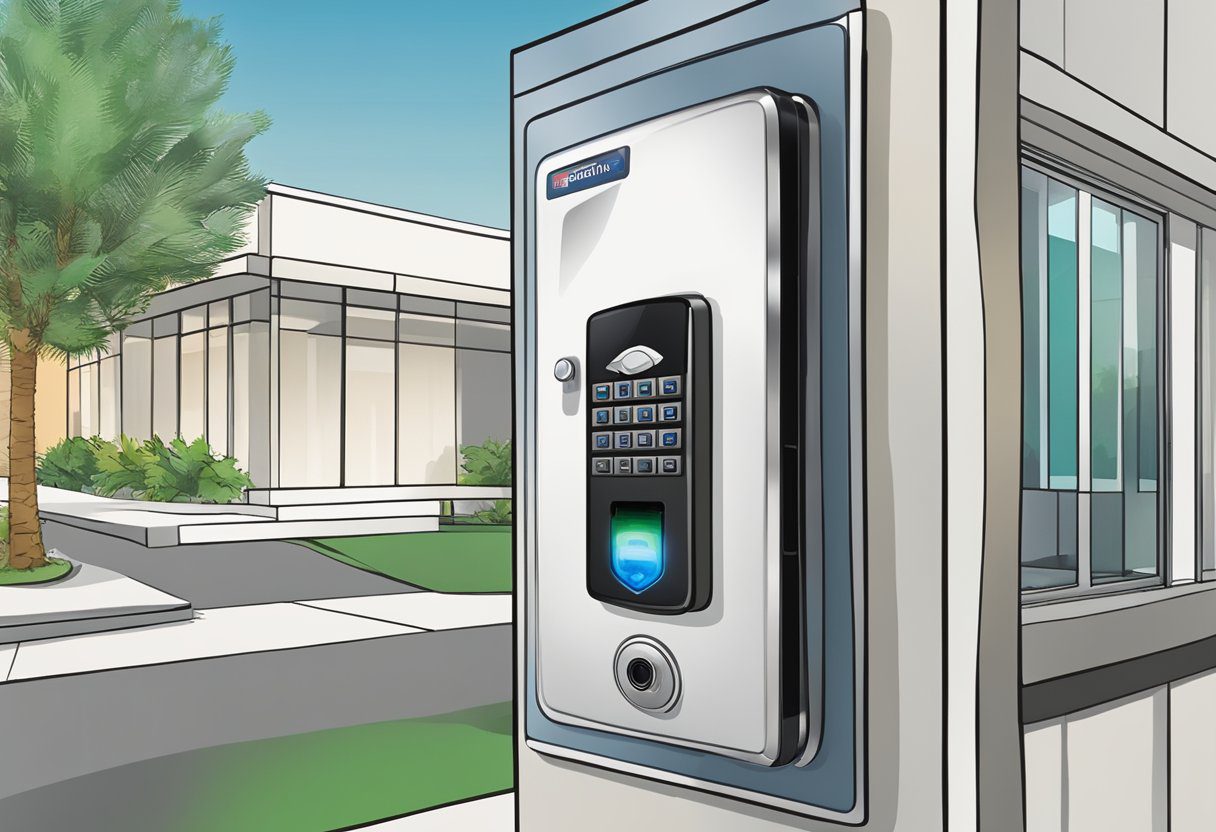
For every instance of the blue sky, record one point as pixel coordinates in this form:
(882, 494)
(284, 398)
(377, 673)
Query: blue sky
(402, 102)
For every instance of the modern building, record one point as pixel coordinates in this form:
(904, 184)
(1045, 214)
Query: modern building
(1015, 253)
(348, 344)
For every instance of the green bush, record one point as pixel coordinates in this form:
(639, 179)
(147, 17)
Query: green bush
(486, 464)
(176, 472)
(70, 464)
(181, 473)
(121, 465)
(498, 515)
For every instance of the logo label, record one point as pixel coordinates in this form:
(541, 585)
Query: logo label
(600, 170)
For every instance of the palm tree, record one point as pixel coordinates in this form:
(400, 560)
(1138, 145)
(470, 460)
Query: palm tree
(118, 177)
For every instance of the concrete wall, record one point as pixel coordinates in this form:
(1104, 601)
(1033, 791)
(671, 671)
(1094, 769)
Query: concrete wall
(1119, 49)
(322, 229)
(1145, 763)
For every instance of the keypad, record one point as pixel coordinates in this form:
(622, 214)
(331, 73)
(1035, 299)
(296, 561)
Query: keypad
(661, 423)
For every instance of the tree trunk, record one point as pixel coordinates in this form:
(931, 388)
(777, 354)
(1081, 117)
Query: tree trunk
(25, 549)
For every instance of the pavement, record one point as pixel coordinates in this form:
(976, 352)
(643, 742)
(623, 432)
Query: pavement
(224, 574)
(283, 641)
(94, 702)
(486, 814)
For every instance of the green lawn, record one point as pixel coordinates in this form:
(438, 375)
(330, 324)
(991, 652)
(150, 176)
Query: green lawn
(333, 779)
(455, 559)
(55, 568)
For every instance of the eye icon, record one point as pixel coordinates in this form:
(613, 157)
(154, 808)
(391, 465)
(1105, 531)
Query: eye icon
(634, 360)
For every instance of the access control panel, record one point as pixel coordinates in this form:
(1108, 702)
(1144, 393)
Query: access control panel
(649, 414)
(677, 457)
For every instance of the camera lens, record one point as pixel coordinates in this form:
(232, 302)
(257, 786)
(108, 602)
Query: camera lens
(640, 673)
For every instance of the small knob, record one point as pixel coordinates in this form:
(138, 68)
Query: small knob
(563, 370)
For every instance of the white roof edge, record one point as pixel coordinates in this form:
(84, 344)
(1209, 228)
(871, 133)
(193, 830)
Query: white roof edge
(385, 210)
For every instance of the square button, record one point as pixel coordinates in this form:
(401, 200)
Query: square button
(643, 388)
(643, 438)
(623, 390)
(643, 465)
(669, 412)
(645, 413)
(669, 438)
(602, 416)
(624, 465)
(624, 440)
(669, 465)
(602, 392)
(601, 465)
(623, 415)
(602, 440)
(669, 386)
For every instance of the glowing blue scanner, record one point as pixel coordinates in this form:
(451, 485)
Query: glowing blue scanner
(637, 546)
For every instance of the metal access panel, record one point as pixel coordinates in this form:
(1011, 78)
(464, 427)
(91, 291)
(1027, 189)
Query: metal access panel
(688, 411)
(677, 286)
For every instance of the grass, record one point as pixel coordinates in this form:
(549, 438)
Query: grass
(458, 558)
(340, 777)
(54, 569)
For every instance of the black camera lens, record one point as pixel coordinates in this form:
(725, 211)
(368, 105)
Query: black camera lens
(640, 673)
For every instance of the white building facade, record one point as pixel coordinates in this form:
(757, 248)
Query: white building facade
(348, 345)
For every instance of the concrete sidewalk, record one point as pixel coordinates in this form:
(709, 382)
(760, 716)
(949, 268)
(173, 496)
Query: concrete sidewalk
(241, 673)
(158, 525)
(254, 628)
(90, 599)
(224, 574)
(486, 814)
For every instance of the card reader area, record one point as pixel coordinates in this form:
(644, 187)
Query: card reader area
(648, 389)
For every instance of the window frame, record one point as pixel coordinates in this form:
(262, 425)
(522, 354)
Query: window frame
(1095, 188)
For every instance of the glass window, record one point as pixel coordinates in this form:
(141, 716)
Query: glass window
(193, 386)
(218, 313)
(362, 322)
(1090, 277)
(310, 407)
(426, 329)
(427, 306)
(309, 316)
(217, 389)
(194, 319)
(240, 308)
(251, 399)
(164, 326)
(89, 400)
(109, 415)
(136, 386)
(164, 387)
(1062, 335)
(483, 383)
(74, 417)
(366, 297)
(369, 412)
(426, 423)
(482, 335)
(1207, 393)
(483, 312)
